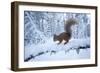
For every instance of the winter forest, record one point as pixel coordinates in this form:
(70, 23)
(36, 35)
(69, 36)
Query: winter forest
(39, 30)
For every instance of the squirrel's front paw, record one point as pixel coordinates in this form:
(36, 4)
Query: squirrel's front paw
(65, 43)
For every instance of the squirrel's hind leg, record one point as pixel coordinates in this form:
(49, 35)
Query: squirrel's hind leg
(66, 42)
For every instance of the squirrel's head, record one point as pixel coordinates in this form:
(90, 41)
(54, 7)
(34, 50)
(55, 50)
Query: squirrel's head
(55, 37)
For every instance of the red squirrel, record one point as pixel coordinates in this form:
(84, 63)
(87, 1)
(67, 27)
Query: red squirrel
(67, 34)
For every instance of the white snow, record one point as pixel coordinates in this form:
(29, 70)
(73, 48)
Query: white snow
(61, 55)
(53, 51)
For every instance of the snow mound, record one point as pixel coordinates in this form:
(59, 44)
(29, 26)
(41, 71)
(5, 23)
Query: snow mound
(75, 48)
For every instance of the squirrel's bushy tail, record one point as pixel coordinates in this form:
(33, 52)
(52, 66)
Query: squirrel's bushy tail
(68, 23)
(71, 21)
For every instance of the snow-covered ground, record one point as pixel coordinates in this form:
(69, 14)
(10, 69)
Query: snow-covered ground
(61, 55)
(75, 49)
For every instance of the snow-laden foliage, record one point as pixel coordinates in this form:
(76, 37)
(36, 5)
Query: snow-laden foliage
(40, 27)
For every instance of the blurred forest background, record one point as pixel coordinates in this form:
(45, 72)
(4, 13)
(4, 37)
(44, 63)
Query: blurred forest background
(43, 25)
